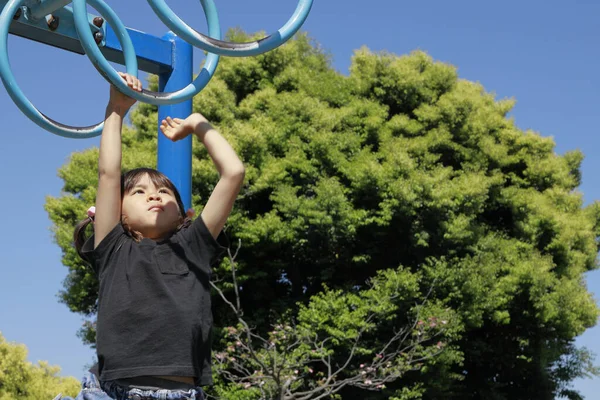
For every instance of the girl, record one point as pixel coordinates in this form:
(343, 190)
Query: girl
(153, 264)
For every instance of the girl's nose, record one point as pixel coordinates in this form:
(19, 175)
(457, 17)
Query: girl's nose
(153, 196)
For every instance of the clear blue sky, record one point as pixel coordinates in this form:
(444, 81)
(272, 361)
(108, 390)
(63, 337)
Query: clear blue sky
(545, 54)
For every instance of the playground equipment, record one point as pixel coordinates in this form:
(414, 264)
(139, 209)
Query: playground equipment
(104, 38)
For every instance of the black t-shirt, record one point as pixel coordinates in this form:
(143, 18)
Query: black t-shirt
(154, 310)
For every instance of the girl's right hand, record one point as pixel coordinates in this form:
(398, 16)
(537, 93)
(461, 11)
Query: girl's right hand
(120, 100)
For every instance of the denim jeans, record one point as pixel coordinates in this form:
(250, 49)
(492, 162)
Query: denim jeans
(91, 389)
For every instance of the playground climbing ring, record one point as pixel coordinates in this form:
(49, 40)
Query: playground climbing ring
(211, 44)
(214, 45)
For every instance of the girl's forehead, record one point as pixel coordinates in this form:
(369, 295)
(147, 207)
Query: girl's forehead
(143, 181)
(146, 181)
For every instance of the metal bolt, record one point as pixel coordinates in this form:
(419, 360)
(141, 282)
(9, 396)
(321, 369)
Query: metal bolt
(98, 21)
(98, 37)
(18, 14)
(53, 22)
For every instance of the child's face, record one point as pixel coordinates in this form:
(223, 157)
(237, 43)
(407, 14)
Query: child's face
(150, 210)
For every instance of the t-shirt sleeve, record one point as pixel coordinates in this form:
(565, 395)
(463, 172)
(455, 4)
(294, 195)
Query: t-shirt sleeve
(98, 256)
(198, 235)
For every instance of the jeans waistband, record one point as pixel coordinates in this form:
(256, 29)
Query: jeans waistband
(120, 393)
(153, 383)
(124, 392)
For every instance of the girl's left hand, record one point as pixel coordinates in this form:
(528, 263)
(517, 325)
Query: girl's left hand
(177, 128)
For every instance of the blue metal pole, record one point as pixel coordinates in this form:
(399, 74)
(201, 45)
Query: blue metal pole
(175, 159)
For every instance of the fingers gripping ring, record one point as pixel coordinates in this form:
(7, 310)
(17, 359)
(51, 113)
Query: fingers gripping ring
(100, 62)
(213, 44)
(17, 94)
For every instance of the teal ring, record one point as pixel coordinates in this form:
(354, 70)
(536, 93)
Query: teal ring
(213, 44)
(109, 73)
(17, 95)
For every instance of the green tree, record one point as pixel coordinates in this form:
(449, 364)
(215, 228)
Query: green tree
(22, 380)
(337, 341)
(399, 166)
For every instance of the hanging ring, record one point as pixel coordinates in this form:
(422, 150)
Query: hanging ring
(213, 44)
(110, 74)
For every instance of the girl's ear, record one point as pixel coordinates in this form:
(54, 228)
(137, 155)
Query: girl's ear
(190, 213)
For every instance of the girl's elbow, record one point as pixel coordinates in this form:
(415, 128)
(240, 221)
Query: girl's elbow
(236, 173)
(237, 167)
(240, 172)
(109, 173)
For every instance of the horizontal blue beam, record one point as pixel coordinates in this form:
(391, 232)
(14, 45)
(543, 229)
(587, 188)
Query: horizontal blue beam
(154, 54)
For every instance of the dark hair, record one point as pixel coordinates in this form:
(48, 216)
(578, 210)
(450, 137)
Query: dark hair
(128, 181)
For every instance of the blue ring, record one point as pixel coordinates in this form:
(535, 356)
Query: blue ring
(100, 62)
(17, 95)
(213, 44)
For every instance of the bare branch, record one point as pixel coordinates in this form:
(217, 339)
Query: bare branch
(291, 365)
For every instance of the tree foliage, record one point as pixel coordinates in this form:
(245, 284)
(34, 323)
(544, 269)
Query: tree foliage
(22, 380)
(398, 166)
(339, 340)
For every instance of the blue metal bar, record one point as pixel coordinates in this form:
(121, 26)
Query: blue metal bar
(175, 158)
(154, 55)
(11, 11)
(47, 7)
(64, 36)
(169, 57)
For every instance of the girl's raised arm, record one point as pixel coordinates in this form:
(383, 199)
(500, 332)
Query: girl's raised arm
(230, 167)
(108, 197)
(231, 171)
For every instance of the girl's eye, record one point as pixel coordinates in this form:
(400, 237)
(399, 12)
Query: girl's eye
(138, 191)
(164, 191)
